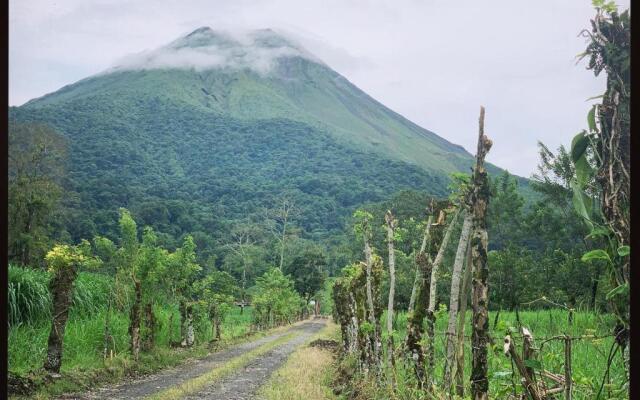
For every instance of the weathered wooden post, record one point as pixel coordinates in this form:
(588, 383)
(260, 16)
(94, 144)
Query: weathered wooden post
(392, 223)
(480, 194)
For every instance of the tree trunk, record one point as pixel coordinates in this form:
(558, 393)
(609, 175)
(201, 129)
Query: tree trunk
(150, 322)
(416, 320)
(418, 278)
(391, 226)
(134, 323)
(217, 321)
(375, 338)
(62, 289)
(244, 285)
(466, 287)
(186, 324)
(438, 261)
(416, 281)
(479, 244)
(461, 253)
(190, 338)
(284, 232)
(107, 330)
(182, 308)
(431, 320)
(594, 290)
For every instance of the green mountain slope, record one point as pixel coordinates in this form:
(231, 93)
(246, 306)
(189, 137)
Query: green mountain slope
(296, 88)
(210, 129)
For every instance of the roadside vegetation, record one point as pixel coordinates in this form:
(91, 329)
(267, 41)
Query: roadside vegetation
(540, 310)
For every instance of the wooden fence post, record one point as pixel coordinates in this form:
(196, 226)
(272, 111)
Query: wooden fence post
(567, 369)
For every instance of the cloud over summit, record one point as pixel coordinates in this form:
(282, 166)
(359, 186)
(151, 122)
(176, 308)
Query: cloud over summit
(205, 49)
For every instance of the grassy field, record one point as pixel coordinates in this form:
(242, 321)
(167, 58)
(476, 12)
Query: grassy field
(589, 360)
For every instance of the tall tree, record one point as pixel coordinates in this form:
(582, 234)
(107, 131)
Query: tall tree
(308, 272)
(128, 257)
(279, 222)
(37, 158)
(217, 290)
(244, 238)
(504, 216)
(150, 264)
(181, 271)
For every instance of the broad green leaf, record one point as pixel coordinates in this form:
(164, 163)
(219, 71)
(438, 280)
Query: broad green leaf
(620, 290)
(501, 374)
(597, 254)
(581, 203)
(598, 232)
(535, 364)
(579, 146)
(591, 118)
(624, 251)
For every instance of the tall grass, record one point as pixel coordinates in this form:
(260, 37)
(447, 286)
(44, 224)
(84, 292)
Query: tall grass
(29, 299)
(28, 295)
(589, 356)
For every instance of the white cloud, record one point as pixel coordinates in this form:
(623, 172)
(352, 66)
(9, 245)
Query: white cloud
(207, 49)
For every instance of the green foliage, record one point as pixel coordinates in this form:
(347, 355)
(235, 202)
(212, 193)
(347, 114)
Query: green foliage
(274, 298)
(597, 254)
(65, 256)
(459, 186)
(182, 269)
(218, 291)
(308, 271)
(229, 169)
(36, 171)
(505, 211)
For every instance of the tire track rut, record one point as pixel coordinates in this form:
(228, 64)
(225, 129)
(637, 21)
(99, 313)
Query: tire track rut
(240, 384)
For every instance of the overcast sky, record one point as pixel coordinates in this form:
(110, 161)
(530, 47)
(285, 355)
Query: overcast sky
(433, 61)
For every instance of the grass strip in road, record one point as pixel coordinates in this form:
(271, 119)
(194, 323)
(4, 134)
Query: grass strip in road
(307, 373)
(196, 384)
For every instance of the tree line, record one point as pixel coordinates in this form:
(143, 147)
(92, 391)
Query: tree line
(147, 275)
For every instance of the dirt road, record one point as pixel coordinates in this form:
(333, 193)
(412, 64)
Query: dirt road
(241, 383)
